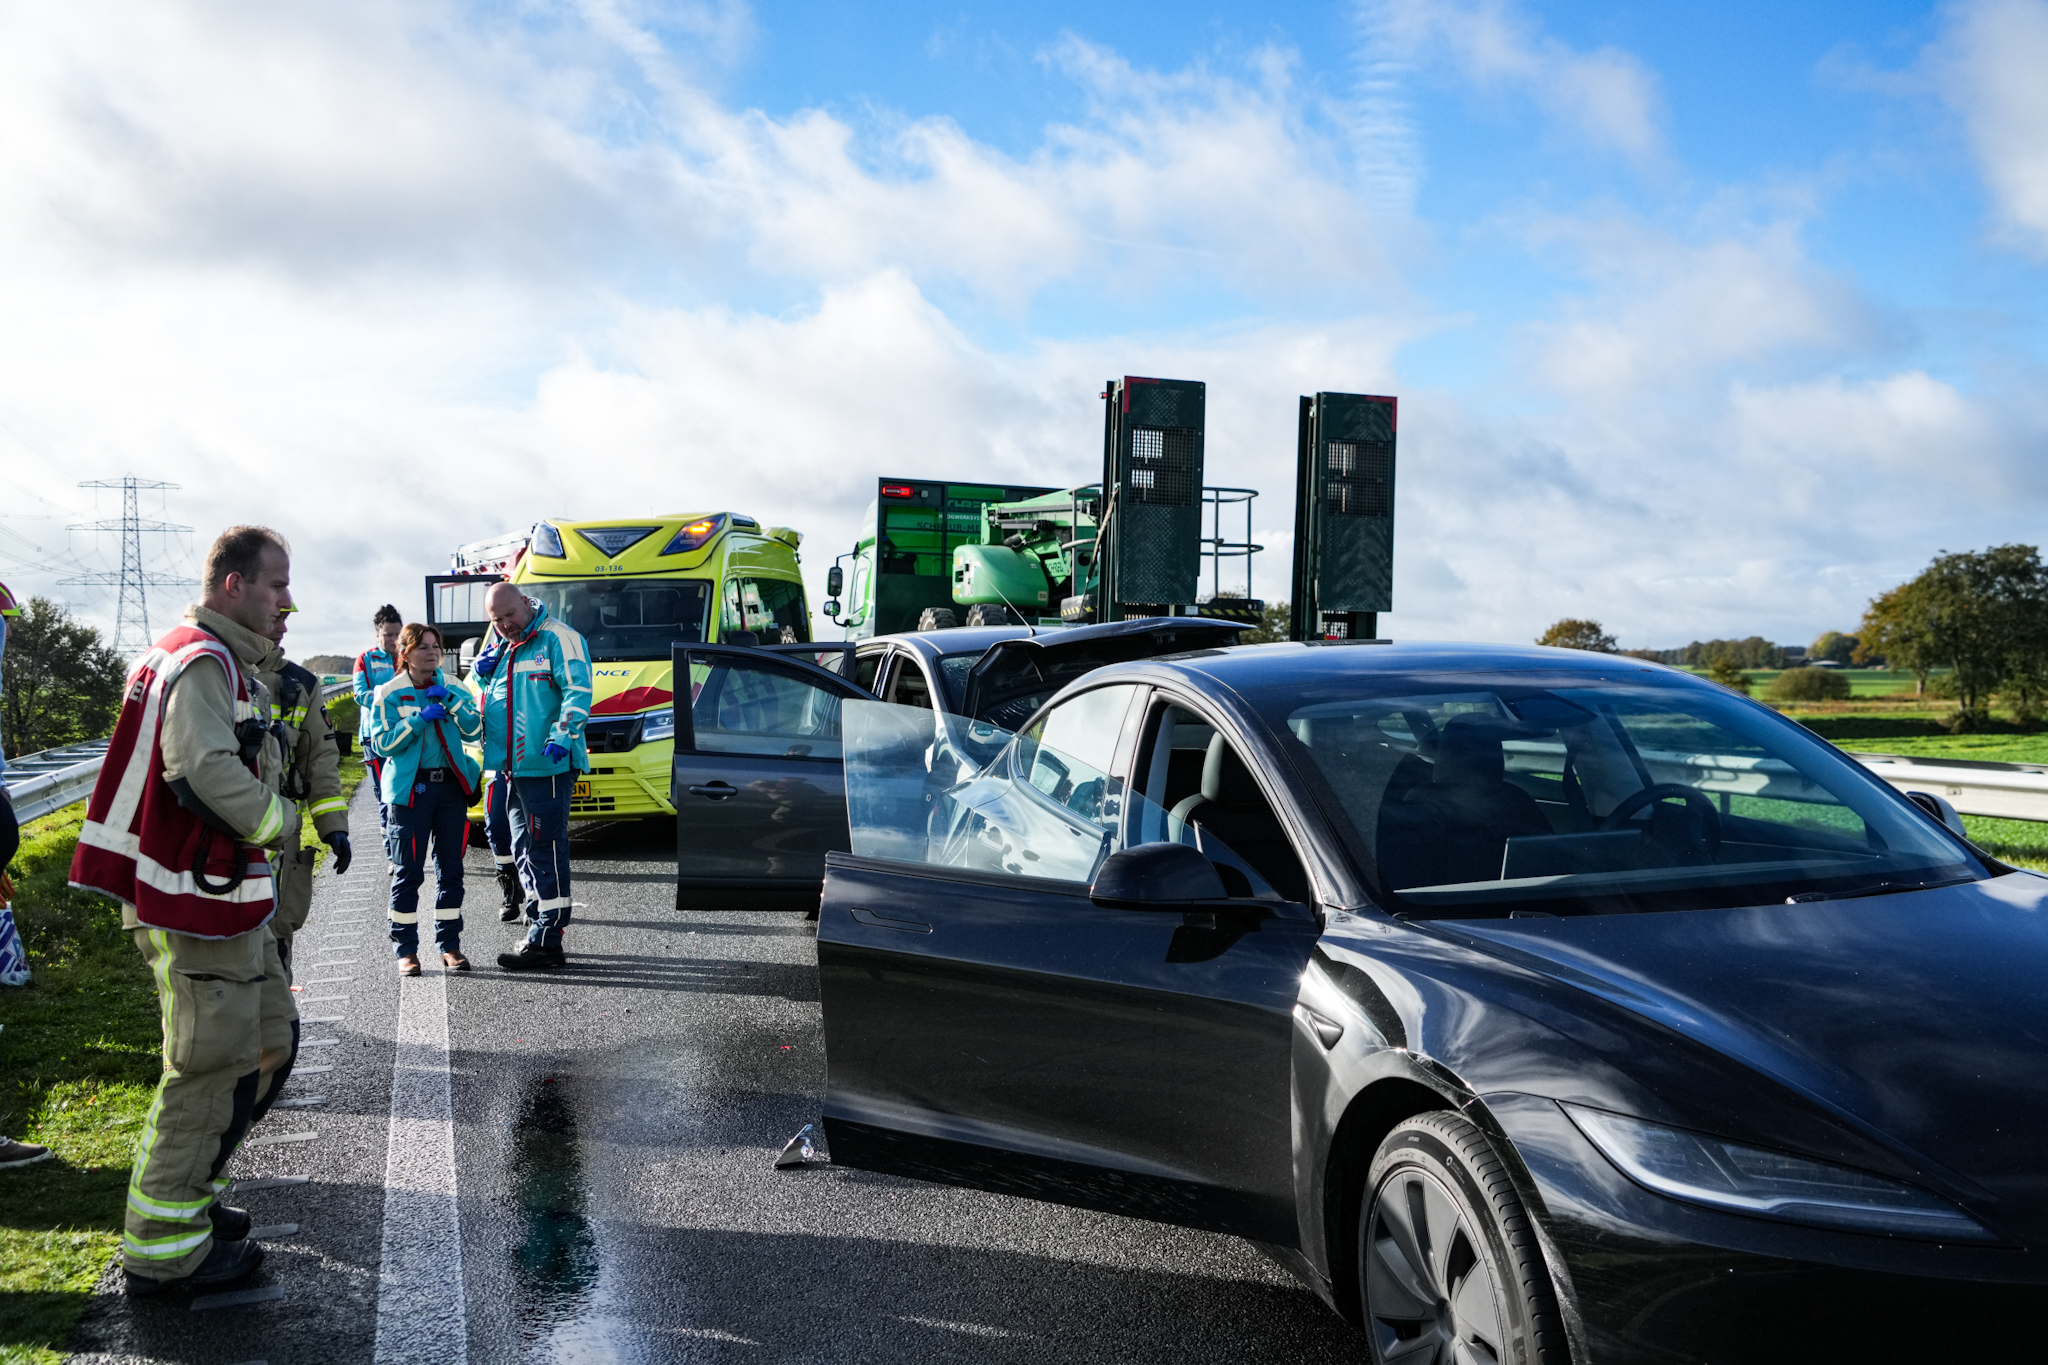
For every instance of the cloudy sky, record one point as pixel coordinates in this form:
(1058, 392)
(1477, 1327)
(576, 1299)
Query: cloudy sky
(1706, 319)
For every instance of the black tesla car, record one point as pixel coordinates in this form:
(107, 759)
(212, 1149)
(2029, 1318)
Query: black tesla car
(1532, 1005)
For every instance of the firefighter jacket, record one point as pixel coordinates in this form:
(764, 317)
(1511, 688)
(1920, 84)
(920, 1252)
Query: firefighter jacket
(313, 760)
(374, 668)
(188, 793)
(539, 694)
(410, 744)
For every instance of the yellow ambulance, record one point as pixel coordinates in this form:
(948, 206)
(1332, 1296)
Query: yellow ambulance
(632, 587)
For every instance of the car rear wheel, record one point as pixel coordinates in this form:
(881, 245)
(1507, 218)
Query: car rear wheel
(1449, 1269)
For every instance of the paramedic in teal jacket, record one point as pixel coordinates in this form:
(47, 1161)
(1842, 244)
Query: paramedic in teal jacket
(422, 721)
(535, 676)
(374, 667)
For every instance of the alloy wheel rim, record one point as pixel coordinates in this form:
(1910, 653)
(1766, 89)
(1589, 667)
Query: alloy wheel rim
(1430, 1297)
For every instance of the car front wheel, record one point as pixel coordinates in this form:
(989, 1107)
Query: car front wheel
(1449, 1269)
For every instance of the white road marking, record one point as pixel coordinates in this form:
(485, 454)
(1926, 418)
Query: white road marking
(272, 1139)
(421, 1312)
(268, 1182)
(238, 1298)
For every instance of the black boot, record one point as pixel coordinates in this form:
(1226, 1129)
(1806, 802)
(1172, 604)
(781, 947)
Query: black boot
(225, 1263)
(512, 891)
(229, 1224)
(530, 957)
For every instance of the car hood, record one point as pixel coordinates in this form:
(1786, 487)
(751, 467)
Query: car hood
(1920, 1018)
(1016, 670)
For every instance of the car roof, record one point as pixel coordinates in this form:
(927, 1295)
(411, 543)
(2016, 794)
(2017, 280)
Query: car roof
(934, 644)
(1260, 668)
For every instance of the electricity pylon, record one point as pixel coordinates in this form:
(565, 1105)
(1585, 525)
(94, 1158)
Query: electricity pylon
(131, 614)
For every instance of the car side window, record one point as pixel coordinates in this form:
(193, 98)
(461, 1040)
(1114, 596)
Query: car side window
(772, 608)
(907, 685)
(866, 667)
(756, 708)
(1066, 756)
(1199, 790)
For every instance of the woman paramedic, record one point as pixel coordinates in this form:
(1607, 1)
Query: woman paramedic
(428, 783)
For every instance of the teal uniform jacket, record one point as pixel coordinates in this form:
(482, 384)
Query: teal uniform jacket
(410, 744)
(373, 669)
(539, 694)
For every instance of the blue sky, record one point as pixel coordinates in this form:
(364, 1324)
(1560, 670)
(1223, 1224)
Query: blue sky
(1707, 320)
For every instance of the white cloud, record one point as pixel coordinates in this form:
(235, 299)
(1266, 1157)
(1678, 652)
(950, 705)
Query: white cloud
(1605, 96)
(1990, 65)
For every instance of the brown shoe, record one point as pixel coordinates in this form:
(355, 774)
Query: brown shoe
(409, 966)
(455, 962)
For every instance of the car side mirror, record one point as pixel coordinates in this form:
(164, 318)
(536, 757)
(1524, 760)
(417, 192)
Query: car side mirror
(1941, 810)
(835, 583)
(1156, 877)
(831, 608)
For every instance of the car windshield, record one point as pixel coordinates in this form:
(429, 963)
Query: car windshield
(628, 618)
(1477, 795)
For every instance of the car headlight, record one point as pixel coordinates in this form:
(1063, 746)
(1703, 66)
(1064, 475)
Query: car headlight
(657, 725)
(546, 541)
(1726, 1175)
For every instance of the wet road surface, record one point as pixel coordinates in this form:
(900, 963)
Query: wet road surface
(614, 1128)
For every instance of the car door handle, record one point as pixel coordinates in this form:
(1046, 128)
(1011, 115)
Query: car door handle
(910, 926)
(717, 791)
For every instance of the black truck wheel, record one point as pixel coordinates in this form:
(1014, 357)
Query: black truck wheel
(1449, 1269)
(937, 618)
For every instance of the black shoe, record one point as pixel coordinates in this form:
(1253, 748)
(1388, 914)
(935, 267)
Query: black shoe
(229, 1224)
(510, 914)
(530, 957)
(513, 893)
(225, 1263)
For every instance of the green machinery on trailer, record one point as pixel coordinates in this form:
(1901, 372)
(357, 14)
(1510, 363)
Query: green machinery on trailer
(933, 554)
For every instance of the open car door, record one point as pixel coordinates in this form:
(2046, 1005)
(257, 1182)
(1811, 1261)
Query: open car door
(757, 780)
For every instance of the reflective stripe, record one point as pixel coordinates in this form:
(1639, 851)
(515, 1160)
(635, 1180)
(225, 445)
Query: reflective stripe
(328, 805)
(273, 822)
(167, 1212)
(558, 903)
(446, 912)
(405, 917)
(502, 859)
(165, 1248)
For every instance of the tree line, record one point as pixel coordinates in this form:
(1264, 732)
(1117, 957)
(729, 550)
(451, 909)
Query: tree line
(60, 683)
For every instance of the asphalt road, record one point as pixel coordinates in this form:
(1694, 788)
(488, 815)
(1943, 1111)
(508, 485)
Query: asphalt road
(614, 1129)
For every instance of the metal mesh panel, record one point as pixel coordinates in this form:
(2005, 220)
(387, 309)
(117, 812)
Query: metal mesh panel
(1359, 479)
(1163, 466)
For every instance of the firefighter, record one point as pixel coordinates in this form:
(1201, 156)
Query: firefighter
(535, 672)
(374, 667)
(313, 779)
(428, 783)
(186, 804)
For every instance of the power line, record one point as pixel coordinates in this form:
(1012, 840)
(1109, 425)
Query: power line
(131, 616)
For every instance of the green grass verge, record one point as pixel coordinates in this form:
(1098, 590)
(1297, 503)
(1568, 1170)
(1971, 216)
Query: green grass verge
(79, 1060)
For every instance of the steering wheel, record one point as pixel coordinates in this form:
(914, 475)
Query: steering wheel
(1705, 836)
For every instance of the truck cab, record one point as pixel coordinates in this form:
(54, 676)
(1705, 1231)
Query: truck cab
(633, 588)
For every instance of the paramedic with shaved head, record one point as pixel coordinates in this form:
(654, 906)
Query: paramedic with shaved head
(535, 674)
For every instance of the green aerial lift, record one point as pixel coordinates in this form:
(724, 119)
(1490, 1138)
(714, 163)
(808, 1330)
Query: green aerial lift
(930, 551)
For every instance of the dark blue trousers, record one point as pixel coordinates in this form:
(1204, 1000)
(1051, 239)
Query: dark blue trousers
(538, 810)
(438, 817)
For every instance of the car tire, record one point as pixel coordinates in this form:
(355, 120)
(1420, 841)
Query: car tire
(984, 615)
(1446, 1252)
(937, 618)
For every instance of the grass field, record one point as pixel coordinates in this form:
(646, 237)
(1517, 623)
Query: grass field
(79, 1060)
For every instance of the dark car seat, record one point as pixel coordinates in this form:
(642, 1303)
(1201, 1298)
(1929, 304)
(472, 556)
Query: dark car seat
(1231, 807)
(1477, 808)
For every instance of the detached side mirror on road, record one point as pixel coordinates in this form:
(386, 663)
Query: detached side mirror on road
(1157, 877)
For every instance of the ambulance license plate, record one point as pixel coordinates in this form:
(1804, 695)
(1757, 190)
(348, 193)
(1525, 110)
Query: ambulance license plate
(582, 792)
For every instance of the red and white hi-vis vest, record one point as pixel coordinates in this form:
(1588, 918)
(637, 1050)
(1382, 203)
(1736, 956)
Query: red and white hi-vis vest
(138, 844)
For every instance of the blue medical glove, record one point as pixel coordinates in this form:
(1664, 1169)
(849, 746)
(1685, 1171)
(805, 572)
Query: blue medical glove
(555, 752)
(433, 710)
(437, 693)
(484, 664)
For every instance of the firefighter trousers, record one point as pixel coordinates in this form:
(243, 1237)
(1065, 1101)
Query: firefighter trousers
(280, 1005)
(211, 995)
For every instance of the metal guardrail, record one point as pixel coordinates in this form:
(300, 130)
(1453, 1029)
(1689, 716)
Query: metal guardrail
(2010, 791)
(51, 780)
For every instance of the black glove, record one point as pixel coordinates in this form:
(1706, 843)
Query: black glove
(342, 853)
